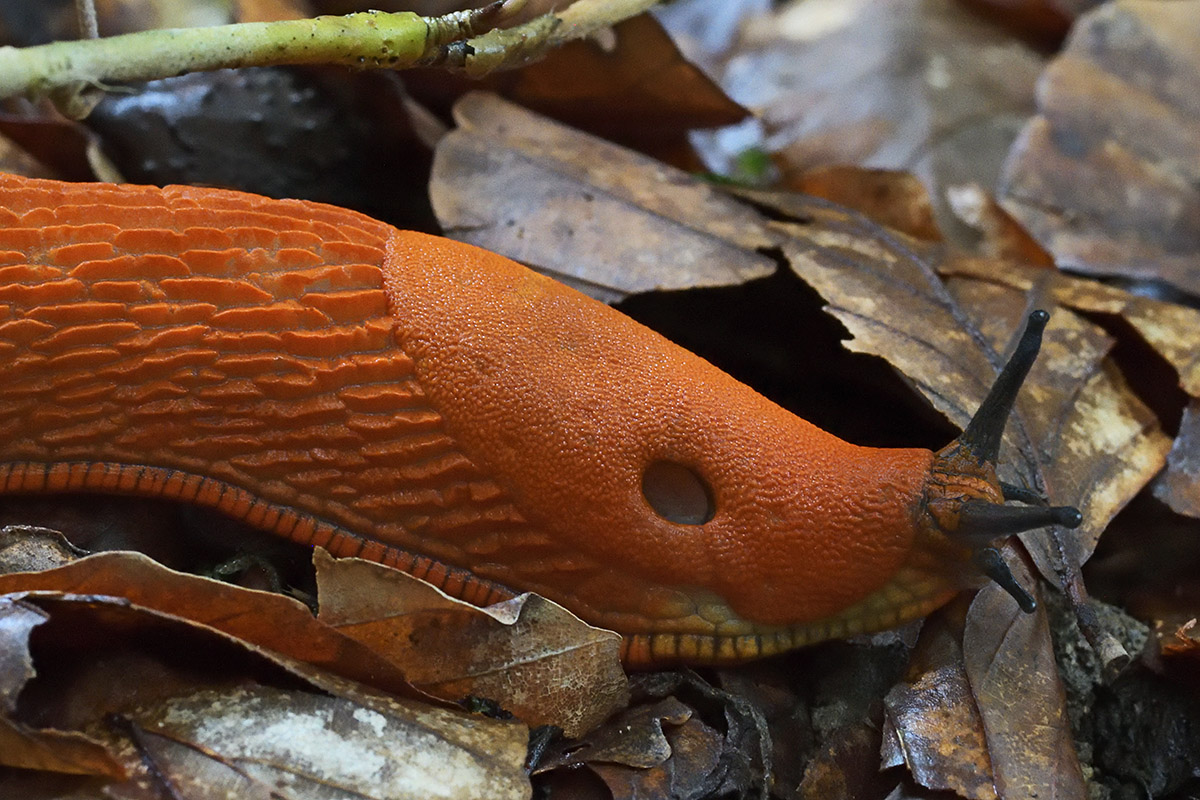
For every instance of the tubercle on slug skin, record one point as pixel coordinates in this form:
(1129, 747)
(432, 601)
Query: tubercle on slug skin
(431, 405)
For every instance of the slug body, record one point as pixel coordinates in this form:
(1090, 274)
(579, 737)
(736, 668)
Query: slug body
(431, 405)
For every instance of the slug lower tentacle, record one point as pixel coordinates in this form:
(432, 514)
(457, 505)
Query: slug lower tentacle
(431, 405)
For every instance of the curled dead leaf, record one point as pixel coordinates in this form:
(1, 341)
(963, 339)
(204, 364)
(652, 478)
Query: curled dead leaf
(264, 620)
(117, 685)
(530, 655)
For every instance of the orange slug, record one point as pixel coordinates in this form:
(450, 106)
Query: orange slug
(430, 405)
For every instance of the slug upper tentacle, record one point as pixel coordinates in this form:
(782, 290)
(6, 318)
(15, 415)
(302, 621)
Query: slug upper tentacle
(975, 513)
(435, 406)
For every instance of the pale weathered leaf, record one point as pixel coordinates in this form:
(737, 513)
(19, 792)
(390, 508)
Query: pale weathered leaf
(257, 741)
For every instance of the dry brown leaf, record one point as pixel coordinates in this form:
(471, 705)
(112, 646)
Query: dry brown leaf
(924, 331)
(1092, 440)
(854, 264)
(103, 662)
(660, 749)
(1043, 22)
(894, 199)
(639, 90)
(1106, 176)
(1010, 664)
(17, 621)
(933, 727)
(270, 10)
(592, 214)
(1173, 330)
(846, 766)
(1184, 641)
(15, 159)
(917, 85)
(1179, 486)
(634, 738)
(22, 745)
(1002, 237)
(55, 147)
(692, 771)
(55, 751)
(771, 688)
(1076, 433)
(126, 16)
(261, 619)
(531, 656)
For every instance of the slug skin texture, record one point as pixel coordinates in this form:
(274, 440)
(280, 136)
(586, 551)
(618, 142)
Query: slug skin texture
(431, 405)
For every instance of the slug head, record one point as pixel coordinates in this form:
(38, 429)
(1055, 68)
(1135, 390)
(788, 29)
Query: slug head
(964, 498)
(653, 494)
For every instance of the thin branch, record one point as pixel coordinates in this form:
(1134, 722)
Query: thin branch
(368, 40)
(365, 40)
(514, 47)
(88, 27)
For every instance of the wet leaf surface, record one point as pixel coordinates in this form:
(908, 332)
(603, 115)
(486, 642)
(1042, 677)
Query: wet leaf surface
(934, 729)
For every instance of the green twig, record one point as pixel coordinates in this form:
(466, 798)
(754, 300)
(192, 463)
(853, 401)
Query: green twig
(372, 39)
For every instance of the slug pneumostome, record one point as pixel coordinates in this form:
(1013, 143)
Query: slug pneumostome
(431, 405)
